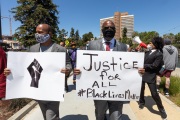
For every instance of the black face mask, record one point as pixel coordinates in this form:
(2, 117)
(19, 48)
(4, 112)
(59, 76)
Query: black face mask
(108, 34)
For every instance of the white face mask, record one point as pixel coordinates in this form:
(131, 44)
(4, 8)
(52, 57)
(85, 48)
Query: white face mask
(149, 47)
(42, 38)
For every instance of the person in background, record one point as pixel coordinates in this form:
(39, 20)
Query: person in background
(3, 63)
(50, 109)
(152, 65)
(62, 43)
(170, 59)
(87, 44)
(72, 54)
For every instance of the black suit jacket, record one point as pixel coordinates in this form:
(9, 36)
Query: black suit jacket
(152, 64)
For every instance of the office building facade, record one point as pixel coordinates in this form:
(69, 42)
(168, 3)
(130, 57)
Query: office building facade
(121, 20)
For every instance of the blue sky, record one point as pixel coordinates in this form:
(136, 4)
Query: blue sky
(84, 15)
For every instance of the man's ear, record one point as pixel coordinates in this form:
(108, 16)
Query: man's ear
(102, 30)
(50, 33)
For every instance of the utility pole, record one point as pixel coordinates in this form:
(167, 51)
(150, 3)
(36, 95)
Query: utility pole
(10, 23)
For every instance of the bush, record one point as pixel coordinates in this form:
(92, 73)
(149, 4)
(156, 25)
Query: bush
(174, 85)
(174, 89)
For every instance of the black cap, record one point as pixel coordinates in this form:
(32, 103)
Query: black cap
(167, 41)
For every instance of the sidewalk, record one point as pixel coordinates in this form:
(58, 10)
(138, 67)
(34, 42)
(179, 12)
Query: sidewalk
(74, 108)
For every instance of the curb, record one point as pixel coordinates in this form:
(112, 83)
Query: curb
(176, 72)
(169, 102)
(22, 112)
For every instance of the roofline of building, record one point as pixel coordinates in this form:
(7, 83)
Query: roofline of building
(127, 15)
(106, 18)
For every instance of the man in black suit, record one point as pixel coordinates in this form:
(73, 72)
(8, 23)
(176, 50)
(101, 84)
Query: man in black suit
(152, 65)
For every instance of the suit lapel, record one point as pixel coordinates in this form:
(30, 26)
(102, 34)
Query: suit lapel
(147, 55)
(100, 45)
(37, 48)
(115, 48)
(54, 49)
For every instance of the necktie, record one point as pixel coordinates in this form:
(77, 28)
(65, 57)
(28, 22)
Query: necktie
(107, 46)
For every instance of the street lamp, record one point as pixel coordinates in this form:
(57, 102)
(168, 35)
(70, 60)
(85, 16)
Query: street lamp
(10, 20)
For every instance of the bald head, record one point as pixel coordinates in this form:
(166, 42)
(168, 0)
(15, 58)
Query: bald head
(43, 28)
(43, 34)
(108, 23)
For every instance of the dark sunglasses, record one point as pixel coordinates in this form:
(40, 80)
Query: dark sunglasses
(109, 28)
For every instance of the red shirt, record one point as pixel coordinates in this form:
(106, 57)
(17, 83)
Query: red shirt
(3, 62)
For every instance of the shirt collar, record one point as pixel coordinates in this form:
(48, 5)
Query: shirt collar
(111, 41)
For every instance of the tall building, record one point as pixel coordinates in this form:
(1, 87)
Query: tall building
(121, 20)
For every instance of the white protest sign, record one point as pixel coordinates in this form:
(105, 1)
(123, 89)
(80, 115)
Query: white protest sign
(36, 75)
(109, 75)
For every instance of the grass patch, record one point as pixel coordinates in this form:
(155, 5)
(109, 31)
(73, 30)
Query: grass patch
(174, 89)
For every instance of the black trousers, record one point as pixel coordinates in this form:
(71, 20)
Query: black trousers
(115, 109)
(154, 94)
(50, 109)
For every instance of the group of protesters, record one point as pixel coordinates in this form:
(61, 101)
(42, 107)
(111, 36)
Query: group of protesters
(155, 54)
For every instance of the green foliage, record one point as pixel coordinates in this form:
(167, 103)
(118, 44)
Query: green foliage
(146, 37)
(61, 35)
(174, 85)
(72, 34)
(174, 89)
(77, 37)
(32, 13)
(177, 40)
(87, 37)
(80, 43)
(170, 36)
(124, 36)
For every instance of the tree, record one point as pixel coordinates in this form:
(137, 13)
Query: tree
(87, 37)
(176, 42)
(124, 33)
(32, 13)
(72, 35)
(146, 37)
(77, 37)
(171, 36)
(61, 35)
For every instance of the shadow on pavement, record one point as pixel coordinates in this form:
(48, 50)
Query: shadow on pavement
(75, 117)
(149, 103)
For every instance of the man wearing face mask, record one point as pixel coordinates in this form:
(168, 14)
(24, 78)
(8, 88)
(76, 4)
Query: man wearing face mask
(108, 43)
(152, 65)
(50, 109)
